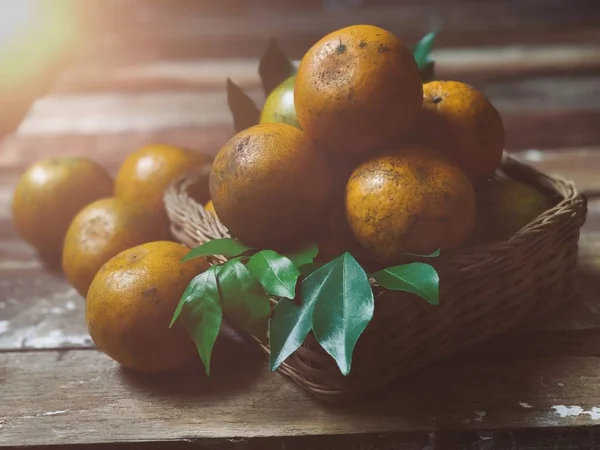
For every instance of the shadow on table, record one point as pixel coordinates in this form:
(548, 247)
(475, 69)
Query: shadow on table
(236, 365)
(515, 377)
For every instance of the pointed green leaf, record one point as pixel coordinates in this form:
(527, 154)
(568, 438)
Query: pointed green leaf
(201, 313)
(275, 272)
(225, 247)
(244, 110)
(288, 328)
(422, 49)
(274, 67)
(434, 254)
(243, 298)
(303, 256)
(417, 278)
(344, 306)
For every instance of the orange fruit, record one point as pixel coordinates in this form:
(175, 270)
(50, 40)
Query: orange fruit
(270, 185)
(279, 105)
(146, 173)
(102, 230)
(357, 89)
(461, 122)
(50, 193)
(409, 200)
(130, 304)
(505, 206)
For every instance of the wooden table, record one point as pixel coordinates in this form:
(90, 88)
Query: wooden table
(157, 73)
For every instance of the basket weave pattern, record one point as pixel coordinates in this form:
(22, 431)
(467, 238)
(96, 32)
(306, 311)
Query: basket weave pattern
(484, 291)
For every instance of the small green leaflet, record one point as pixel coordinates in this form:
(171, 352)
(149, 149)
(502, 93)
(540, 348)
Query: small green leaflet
(275, 272)
(344, 306)
(244, 300)
(421, 52)
(422, 49)
(274, 67)
(288, 328)
(417, 278)
(225, 246)
(304, 255)
(434, 254)
(244, 110)
(337, 304)
(201, 314)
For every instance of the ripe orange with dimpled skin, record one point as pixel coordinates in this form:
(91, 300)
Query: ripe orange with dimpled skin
(131, 302)
(103, 229)
(146, 173)
(357, 88)
(409, 200)
(49, 195)
(460, 121)
(270, 186)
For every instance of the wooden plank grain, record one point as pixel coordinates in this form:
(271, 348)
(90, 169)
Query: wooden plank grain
(468, 64)
(183, 33)
(82, 397)
(539, 112)
(581, 165)
(40, 310)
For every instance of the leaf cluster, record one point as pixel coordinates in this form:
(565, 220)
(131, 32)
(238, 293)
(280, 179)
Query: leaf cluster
(334, 301)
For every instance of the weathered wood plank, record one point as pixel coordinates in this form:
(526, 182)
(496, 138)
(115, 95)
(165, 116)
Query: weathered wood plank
(39, 310)
(19, 151)
(578, 164)
(81, 397)
(561, 113)
(110, 149)
(159, 32)
(468, 64)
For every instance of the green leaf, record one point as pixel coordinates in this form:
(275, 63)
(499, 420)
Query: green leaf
(275, 272)
(417, 278)
(244, 110)
(243, 298)
(344, 306)
(434, 254)
(274, 67)
(226, 247)
(304, 255)
(288, 328)
(422, 49)
(201, 313)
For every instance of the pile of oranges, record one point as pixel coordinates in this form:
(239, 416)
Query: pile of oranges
(368, 147)
(112, 239)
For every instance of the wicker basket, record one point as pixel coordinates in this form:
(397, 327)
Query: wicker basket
(484, 291)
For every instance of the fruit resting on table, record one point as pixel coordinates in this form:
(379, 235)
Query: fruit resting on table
(130, 304)
(103, 229)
